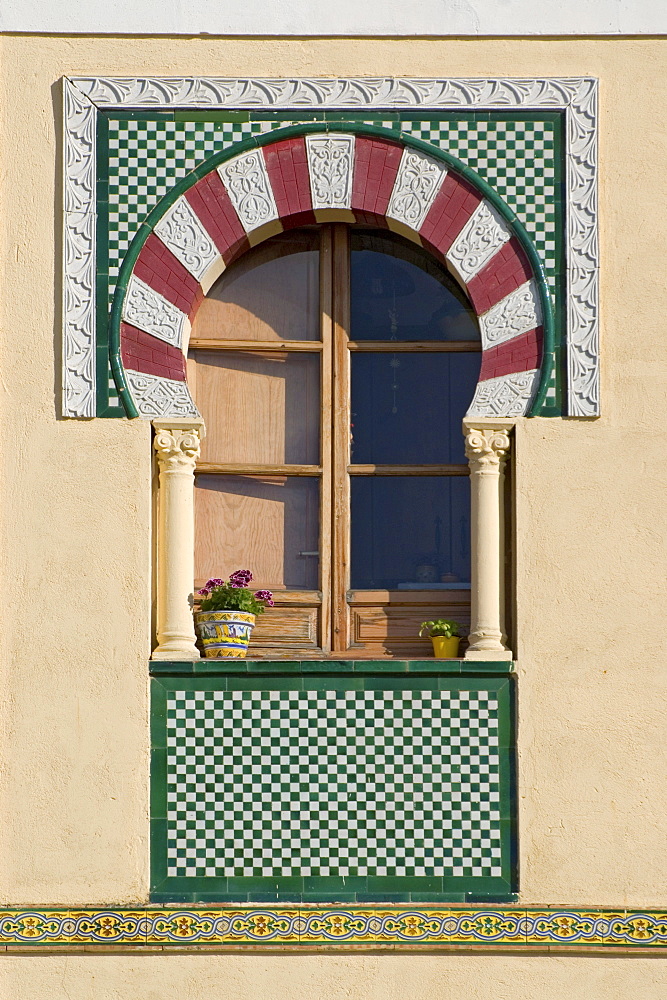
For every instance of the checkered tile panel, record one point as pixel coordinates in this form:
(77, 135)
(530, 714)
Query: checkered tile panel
(342, 782)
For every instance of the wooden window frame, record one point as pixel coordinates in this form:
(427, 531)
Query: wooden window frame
(343, 613)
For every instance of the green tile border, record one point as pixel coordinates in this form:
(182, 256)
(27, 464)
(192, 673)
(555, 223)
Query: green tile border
(222, 667)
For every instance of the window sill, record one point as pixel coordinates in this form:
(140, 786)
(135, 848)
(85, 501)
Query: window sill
(329, 666)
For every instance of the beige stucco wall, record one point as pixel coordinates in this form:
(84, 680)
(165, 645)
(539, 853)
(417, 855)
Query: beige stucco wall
(331, 977)
(591, 592)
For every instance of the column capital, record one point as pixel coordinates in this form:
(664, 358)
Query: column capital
(486, 444)
(177, 442)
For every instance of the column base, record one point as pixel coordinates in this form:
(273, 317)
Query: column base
(488, 654)
(175, 654)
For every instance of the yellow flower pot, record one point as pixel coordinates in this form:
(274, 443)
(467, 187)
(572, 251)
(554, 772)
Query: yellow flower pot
(445, 649)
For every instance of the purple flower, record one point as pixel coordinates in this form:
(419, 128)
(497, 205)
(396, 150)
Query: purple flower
(241, 578)
(215, 583)
(266, 596)
(203, 592)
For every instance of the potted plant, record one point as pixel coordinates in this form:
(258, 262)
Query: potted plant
(226, 615)
(444, 636)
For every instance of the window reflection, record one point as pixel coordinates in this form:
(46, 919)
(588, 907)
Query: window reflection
(399, 292)
(410, 533)
(269, 523)
(271, 293)
(408, 408)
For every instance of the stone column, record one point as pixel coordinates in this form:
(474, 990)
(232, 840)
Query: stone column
(487, 443)
(177, 446)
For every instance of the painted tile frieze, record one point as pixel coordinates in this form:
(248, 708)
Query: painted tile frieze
(478, 928)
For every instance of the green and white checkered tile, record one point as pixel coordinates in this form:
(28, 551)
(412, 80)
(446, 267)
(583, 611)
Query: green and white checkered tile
(146, 159)
(333, 783)
(517, 158)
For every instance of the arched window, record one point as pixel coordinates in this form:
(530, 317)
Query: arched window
(333, 366)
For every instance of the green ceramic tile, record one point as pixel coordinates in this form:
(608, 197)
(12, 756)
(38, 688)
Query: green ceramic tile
(259, 683)
(292, 884)
(159, 783)
(298, 785)
(158, 852)
(334, 683)
(158, 714)
(220, 668)
(434, 667)
(274, 668)
(385, 884)
(335, 883)
(327, 666)
(382, 667)
(486, 667)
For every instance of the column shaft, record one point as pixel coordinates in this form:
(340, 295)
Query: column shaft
(486, 450)
(177, 447)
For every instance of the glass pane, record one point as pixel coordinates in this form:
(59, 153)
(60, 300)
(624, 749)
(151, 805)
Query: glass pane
(407, 408)
(269, 525)
(401, 292)
(270, 293)
(410, 533)
(260, 409)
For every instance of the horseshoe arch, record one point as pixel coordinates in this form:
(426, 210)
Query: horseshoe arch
(321, 173)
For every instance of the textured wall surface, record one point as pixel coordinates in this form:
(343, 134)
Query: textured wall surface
(590, 551)
(336, 977)
(302, 17)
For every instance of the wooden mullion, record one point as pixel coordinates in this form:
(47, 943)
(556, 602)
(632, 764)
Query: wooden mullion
(408, 470)
(326, 389)
(256, 345)
(414, 346)
(236, 469)
(341, 438)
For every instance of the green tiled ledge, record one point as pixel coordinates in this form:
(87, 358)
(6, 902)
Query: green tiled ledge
(323, 666)
(478, 928)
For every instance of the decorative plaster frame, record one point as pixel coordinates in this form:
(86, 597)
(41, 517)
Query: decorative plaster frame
(84, 96)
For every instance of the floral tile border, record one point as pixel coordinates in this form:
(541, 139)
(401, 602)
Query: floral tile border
(478, 927)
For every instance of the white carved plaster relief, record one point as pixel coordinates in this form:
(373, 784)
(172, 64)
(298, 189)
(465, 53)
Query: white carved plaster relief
(582, 328)
(418, 181)
(482, 236)
(505, 396)
(576, 96)
(249, 189)
(331, 165)
(181, 231)
(159, 397)
(151, 312)
(517, 313)
(79, 236)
